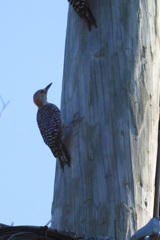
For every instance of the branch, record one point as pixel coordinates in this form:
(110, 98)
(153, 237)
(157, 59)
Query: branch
(4, 105)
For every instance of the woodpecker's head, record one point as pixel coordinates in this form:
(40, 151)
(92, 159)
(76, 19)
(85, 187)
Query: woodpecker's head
(40, 97)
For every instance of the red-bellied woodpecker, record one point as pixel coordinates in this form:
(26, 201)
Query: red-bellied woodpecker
(83, 10)
(50, 126)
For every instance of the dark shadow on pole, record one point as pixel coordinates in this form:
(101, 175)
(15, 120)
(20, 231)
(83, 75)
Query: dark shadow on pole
(157, 180)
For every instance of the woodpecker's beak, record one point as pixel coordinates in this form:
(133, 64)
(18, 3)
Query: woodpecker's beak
(46, 88)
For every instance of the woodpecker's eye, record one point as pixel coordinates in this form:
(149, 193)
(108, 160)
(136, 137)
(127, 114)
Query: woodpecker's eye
(42, 91)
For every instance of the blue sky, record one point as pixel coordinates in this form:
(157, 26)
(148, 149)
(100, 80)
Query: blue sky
(32, 38)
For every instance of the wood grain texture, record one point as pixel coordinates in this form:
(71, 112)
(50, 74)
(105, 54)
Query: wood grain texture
(111, 77)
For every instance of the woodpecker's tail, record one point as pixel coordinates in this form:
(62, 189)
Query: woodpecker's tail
(64, 157)
(90, 19)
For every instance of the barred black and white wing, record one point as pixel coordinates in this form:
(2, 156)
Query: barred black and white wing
(49, 123)
(83, 10)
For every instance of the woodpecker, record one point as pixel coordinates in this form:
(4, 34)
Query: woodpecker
(83, 10)
(50, 126)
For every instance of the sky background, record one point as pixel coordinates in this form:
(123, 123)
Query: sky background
(32, 39)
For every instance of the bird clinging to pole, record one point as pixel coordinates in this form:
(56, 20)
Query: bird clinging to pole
(50, 126)
(83, 10)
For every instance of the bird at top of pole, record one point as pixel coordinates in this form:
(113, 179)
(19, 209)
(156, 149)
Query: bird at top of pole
(84, 11)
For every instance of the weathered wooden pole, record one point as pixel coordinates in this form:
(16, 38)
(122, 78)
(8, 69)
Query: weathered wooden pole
(111, 77)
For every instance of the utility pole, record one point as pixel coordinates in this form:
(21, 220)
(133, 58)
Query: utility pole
(111, 78)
